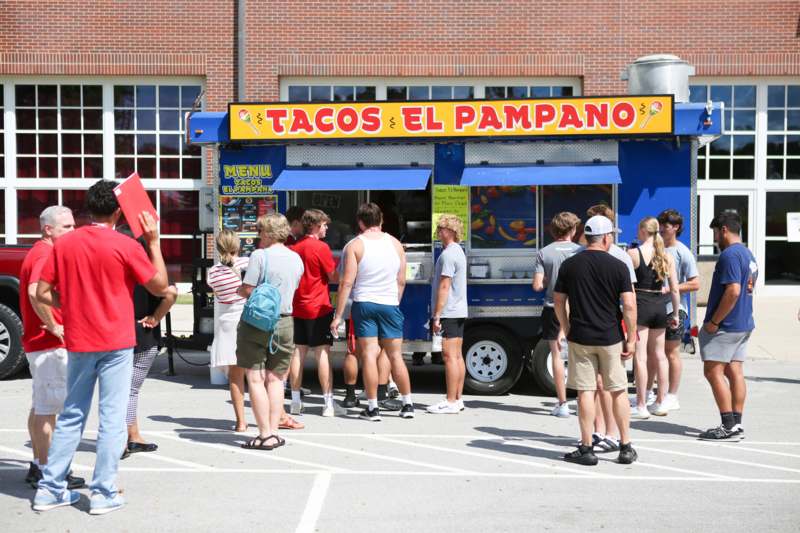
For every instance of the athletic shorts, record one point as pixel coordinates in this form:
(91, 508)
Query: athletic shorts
(723, 346)
(49, 380)
(377, 320)
(586, 362)
(313, 332)
(550, 325)
(253, 350)
(651, 310)
(677, 333)
(452, 328)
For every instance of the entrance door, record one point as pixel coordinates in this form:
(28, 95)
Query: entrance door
(713, 202)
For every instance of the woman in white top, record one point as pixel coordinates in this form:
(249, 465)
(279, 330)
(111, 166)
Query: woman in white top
(225, 278)
(374, 271)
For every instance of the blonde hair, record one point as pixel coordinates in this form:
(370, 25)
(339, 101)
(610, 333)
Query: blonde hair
(660, 262)
(228, 248)
(453, 223)
(275, 226)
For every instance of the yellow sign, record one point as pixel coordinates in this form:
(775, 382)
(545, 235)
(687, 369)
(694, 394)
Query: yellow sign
(611, 115)
(450, 200)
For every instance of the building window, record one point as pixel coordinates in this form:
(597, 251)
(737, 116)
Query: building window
(331, 93)
(149, 132)
(732, 156)
(429, 92)
(2, 144)
(59, 131)
(783, 132)
(523, 91)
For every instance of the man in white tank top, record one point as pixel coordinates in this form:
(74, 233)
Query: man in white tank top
(375, 274)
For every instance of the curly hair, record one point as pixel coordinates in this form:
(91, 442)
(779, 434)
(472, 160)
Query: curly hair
(453, 223)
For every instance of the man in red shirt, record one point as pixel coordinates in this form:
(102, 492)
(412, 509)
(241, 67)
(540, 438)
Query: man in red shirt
(43, 341)
(312, 310)
(95, 269)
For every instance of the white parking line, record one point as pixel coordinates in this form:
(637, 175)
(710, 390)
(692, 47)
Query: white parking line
(383, 457)
(255, 453)
(721, 459)
(313, 507)
(483, 455)
(756, 450)
(161, 457)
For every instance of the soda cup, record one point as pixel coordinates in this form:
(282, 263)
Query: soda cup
(436, 342)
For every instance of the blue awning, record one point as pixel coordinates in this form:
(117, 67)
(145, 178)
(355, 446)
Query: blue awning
(352, 179)
(592, 174)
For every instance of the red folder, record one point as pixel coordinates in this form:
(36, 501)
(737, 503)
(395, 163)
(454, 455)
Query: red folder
(133, 200)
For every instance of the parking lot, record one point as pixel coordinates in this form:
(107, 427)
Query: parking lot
(497, 466)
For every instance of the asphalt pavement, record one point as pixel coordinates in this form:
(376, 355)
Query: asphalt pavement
(495, 467)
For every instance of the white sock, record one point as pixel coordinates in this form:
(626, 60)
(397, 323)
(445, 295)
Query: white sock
(295, 396)
(328, 398)
(406, 399)
(372, 404)
(36, 462)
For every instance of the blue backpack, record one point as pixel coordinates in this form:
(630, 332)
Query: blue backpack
(263, 309)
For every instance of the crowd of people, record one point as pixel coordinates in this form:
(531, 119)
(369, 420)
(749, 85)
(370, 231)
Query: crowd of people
(93, 299)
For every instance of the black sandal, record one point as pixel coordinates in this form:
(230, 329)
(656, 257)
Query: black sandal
(259, 443)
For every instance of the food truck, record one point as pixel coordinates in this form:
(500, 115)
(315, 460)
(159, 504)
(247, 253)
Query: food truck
(505, 167)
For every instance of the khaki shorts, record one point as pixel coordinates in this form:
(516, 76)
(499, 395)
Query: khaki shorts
(586, 362)
(49, 380)
(253, 350)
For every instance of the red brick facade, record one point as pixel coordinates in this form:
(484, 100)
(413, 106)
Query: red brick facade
(590, 39)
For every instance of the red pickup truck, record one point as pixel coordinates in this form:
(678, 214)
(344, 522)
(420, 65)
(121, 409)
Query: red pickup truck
(12, 356)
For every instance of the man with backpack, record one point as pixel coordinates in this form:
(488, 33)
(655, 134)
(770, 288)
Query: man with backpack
(265, 337)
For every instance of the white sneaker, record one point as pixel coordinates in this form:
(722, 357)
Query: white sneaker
(328, 410)
(639, 414)
(658, 409)
(651, 397)
(444, 408)
(561, 411)
(296, 408)
(392, 391)
(671, 403)
(460, 405)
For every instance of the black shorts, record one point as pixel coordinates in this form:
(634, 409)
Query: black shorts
(651, 310)
(313, 332)
(550, 325)
(677, 333)
(452, 328)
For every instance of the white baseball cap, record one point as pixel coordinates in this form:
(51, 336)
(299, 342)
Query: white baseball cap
(599, 225)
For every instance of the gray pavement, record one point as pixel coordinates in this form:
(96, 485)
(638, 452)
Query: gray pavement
(497, 466)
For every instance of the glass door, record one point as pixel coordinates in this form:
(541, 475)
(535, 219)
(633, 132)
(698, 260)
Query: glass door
(713, 202)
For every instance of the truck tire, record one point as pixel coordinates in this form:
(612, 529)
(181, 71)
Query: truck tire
(493, 359)
(12, 356)
(542, 369)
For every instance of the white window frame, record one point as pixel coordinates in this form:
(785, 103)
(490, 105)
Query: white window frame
(758, 187)
(11, 183)
(381, 83)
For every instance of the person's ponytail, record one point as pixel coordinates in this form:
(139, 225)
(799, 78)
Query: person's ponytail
(660, 261)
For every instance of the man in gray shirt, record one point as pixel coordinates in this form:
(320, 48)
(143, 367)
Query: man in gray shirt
(670, 226)
(545, 273)
(450, 310)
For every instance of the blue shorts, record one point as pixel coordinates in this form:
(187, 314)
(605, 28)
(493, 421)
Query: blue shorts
(377, 320)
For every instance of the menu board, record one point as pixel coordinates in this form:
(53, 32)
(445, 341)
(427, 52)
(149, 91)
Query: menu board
(451, 200)
(240, 214)
(503, 217)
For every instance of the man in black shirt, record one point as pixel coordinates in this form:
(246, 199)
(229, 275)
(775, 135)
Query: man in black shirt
(593, 282)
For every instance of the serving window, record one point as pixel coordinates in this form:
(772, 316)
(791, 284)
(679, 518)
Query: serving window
(406, 216)
(340, 206)
(574, 198)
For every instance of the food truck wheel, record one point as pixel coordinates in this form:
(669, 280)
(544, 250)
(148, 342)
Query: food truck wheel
(493, 360)
(542, 369)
